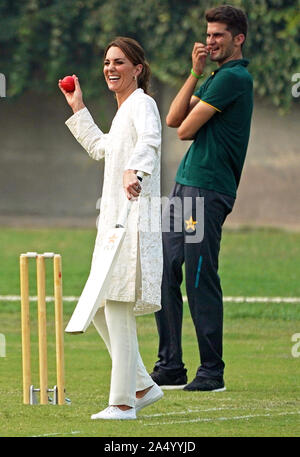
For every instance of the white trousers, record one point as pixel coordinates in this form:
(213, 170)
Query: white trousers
(116, 324)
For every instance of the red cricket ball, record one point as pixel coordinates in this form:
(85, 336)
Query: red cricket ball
(68, 83)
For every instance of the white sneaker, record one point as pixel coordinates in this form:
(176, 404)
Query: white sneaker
(153, 395)
(115, 413)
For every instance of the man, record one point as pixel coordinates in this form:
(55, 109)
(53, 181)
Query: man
(217, 117)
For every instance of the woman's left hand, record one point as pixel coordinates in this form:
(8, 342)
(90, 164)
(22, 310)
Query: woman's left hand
(131, 184)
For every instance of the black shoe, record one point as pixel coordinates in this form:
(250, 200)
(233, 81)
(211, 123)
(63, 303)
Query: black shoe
(206, 384)
(169, 379)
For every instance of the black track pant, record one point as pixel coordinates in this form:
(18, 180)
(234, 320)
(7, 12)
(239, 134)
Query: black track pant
(193, 214)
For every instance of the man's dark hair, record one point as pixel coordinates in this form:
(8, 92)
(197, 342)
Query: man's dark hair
(234, 18)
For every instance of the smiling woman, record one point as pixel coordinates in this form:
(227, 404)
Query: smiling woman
(132, 144)
(125, 66)
(120, 73)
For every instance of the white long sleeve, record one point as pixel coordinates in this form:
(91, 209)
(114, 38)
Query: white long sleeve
(133, 141)
(148, 127)
(87, 133)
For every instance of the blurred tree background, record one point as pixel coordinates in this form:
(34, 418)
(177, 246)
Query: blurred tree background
(43, 40)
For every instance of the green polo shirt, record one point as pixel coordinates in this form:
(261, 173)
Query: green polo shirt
(216, 157)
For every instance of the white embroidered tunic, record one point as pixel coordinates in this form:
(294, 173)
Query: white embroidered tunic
(133, 142)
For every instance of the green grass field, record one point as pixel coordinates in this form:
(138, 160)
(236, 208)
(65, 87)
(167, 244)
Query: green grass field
(262, 376)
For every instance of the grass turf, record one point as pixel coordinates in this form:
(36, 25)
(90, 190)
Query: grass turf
(262, 376)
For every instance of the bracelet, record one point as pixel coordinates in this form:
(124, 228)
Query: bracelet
(195, 74)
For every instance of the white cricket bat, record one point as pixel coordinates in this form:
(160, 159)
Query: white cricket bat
(95, 289)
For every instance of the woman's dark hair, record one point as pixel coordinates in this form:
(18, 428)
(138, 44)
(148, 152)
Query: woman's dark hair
(135, 53)
(234, 18)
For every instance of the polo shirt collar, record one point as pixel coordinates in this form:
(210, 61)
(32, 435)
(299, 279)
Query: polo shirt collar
(232, 63)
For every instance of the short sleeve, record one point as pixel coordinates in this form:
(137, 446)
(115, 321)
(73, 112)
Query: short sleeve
(198, 93)
(223, 90)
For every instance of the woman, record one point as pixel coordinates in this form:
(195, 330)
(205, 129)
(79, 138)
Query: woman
(132, 144)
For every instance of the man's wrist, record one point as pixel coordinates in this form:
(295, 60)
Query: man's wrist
(196, 75)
